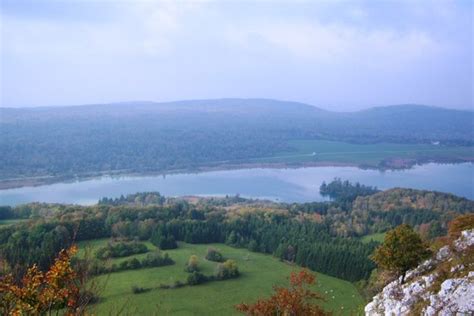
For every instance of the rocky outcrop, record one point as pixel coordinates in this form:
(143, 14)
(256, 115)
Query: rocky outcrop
(431, 289)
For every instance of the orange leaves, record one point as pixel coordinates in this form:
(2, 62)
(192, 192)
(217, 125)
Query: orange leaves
(301, 278)
(41, 292)
(297, 299)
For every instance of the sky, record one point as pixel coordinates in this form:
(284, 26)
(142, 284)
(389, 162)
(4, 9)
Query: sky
(338, 55)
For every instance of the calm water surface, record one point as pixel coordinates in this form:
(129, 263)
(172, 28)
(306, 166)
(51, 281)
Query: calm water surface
(289, 185)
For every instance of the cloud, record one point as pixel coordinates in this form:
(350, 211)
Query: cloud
(306, 51)
(336, 43)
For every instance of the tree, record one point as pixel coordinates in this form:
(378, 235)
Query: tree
(297, 299)
(214, 255)
(39, 292)
(401, 250)
(192, 265)
(196, 278)
(227, 270)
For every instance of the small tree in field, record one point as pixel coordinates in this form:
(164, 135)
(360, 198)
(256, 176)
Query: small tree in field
(401, 250)
(214, 255)
(297, 299)
(192, 265)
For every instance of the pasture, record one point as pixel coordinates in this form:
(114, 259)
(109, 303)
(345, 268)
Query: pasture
(259, 273)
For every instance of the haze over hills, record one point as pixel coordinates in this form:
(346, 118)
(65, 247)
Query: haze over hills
(148, 136)
(434, 122)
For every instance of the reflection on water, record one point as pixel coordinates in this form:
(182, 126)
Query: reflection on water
(290, 185)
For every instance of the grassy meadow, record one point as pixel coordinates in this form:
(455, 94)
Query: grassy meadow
(305, 151)
(259, 273)
(373, 237)
(11, 221)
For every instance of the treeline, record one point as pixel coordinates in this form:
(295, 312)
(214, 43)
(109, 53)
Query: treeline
(141, 198)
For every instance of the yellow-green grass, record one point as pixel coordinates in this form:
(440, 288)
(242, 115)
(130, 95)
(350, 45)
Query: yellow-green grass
(373, 237)
(259, 273)
(366, 154)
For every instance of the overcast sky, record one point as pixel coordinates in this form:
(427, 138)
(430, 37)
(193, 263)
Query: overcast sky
(339, 55)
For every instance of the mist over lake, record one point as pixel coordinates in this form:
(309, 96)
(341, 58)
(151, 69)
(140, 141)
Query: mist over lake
(287, 185)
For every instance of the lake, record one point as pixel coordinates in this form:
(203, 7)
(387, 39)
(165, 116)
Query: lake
(288, 185)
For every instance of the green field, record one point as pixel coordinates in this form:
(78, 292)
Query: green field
(10, 221)
(373, 237)
(258, 274)
(366, 154)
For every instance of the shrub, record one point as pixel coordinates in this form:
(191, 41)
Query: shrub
(227, 270)
(196, 278)
(156, 259)
(214, 255)
(192, 265)
(177, 284)
(134, 264)
(138, 290)
(120, 249)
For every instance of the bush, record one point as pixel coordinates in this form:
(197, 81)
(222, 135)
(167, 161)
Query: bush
(120, 249)
(196, 278)
(138, 290)
(163, 241)
(192, 265)
(177, 284)
(227, 270)
(134, 264)
(154, 259)
(214, 255)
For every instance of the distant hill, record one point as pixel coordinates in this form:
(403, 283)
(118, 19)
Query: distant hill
(149, 136)
(414, 123)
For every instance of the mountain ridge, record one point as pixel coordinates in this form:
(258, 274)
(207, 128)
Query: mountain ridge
(200, 101)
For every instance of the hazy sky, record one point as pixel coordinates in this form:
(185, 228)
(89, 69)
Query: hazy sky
(334, 54)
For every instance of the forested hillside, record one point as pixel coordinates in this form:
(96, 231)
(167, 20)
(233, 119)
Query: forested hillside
(320, 235)
(146, 136)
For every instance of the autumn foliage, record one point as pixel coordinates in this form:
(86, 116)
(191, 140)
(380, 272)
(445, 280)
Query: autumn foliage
(42, 292)
(295, 300)
(459, 224)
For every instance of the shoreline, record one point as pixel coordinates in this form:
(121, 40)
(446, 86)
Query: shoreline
(17, 183)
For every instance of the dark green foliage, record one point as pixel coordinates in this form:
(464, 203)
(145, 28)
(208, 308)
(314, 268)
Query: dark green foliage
(139, 290)
(142, 199)
(196, 278)
(163, 240)
(6, 212)
(152, 259)
(214, 255)
(401, 250)
(121, 249)
(345, 191)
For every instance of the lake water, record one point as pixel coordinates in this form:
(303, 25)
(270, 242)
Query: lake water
(289, 185)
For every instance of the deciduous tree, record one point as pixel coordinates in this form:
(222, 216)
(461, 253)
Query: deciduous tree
(401, 250)
(295, 300)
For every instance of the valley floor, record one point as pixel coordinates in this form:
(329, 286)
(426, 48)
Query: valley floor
(258, 274)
